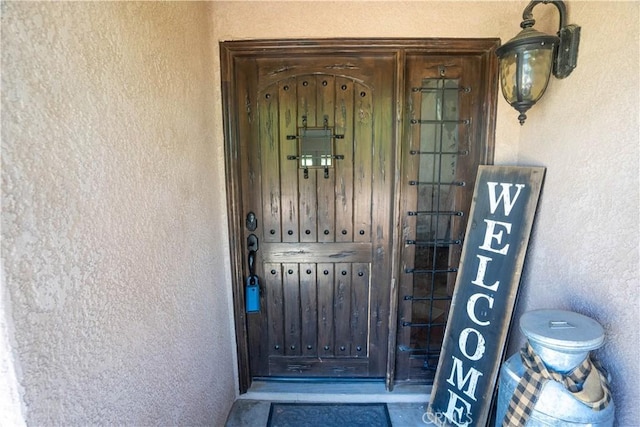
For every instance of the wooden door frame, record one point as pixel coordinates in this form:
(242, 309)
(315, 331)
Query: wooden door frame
(229, 50)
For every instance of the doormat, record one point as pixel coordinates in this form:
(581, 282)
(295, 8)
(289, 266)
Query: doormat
(329, 415)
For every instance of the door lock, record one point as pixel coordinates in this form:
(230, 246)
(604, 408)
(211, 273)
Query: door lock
(251, 222)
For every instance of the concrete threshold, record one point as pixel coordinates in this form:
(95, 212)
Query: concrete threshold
(342, 391)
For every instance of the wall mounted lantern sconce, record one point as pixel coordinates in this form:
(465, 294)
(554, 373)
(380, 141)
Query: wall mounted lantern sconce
(527, 60)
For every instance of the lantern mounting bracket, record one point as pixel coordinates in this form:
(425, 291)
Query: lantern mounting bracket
(566, 55)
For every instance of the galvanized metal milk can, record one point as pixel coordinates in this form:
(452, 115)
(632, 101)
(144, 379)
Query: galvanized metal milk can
(560, 342)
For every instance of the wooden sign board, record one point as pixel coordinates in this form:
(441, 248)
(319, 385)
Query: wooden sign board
(498, 230)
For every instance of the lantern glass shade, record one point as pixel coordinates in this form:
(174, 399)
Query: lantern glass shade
(526, 62)
(524, 75)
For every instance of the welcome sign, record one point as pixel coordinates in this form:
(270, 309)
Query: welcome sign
(498, 230)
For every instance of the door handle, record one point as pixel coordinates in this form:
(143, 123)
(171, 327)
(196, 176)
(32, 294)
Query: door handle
(252, 262)
(252, 247)
(252, 290)
(252, 243)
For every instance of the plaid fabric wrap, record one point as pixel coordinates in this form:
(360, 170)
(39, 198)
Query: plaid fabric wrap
(537, 374)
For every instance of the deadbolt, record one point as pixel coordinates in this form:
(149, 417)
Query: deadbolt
(251, 222)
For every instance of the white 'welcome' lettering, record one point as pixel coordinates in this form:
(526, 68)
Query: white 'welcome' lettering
(504, 195)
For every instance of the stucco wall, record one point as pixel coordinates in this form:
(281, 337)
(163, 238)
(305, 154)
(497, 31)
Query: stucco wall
(111, 215)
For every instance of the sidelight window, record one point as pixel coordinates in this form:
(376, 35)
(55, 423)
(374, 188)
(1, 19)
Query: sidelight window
(434, 219)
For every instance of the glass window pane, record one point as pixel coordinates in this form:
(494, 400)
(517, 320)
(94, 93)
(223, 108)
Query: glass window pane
(316, 148)
(437, 186)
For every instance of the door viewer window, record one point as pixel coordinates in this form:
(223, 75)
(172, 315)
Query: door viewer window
(316, 148)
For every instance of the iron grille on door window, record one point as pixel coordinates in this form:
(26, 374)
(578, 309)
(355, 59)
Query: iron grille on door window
(437, 172)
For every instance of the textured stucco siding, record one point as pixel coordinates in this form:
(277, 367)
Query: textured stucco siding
(112, 220)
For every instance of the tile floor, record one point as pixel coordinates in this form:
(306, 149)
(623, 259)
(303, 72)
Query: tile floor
(407, 403)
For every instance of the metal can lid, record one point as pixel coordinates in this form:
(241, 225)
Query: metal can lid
(562, 330)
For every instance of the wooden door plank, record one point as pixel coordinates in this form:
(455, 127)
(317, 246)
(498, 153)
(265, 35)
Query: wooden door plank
(306, 99)
(270, 159)
(344, 168)
(291, 303)
(272, 288)
(308, 204)
(342, 310)
(326, 341)
(360, 293)
(363, 142)
(326, 198)
(315, 367)
(319, 252)
(309, 309)
(325, 96)
(287, 112)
